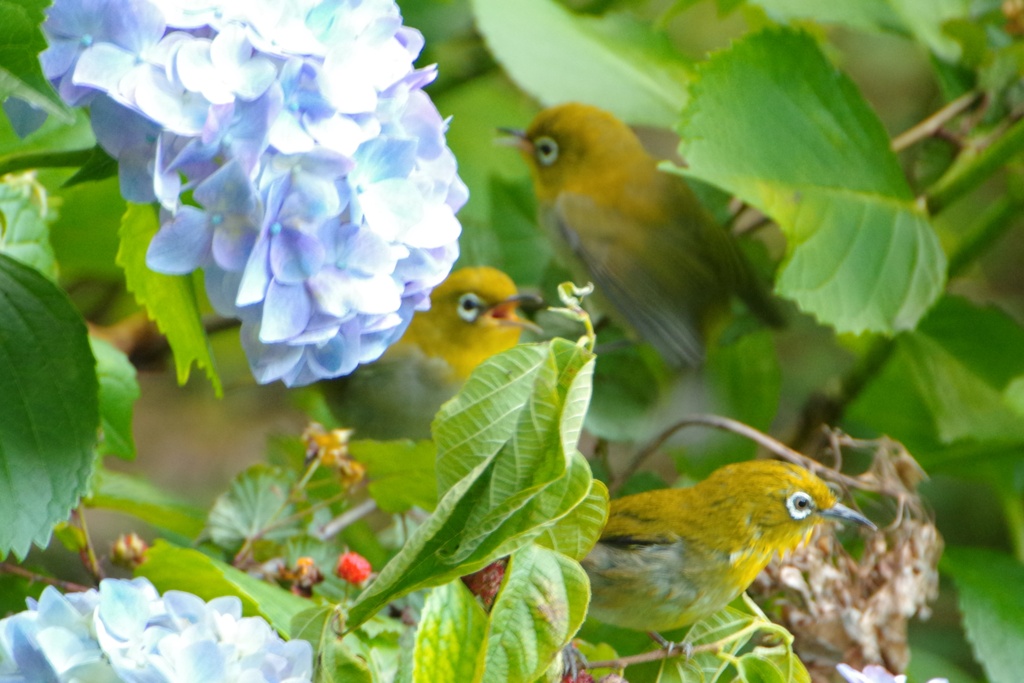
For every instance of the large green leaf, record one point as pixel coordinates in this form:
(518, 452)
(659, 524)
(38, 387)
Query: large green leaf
(950, 384)
(611, 61)
(507, 468)
(251, 509)
(542, 603)
(992, 604)
(772, 121)
(119, 389)
(923, 19)
(450, 640)
(21, 41)
(143, 499)
(400, 473)
(575, 534)
(170, 300)
(185, 569)
(49, 412)
(478, 108)
(24, 233)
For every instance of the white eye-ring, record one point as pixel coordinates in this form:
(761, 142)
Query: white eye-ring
(470, 307)
(800, 505)
(546, 150)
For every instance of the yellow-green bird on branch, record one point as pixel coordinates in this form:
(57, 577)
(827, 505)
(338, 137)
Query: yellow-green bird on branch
(472, 316)
(639, 234)
(671, 557)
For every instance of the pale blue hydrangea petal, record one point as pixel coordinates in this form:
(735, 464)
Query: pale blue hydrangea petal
(141, 637)
(269, 362)
(202, 661)
(286, 311)
(295, 256)
(123, 609)
(102, 67)
(182, 244)
(326, 192)
(170, 105)
(248, 75)
(391, 207)
(24, 651)
(256, 276)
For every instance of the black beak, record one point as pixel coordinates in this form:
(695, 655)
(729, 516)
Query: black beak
(845, 514)
(515, 137)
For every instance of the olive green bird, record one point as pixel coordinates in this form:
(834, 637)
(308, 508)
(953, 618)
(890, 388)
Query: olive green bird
(654, 253)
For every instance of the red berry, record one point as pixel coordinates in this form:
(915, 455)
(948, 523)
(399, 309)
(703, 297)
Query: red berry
(353, 567)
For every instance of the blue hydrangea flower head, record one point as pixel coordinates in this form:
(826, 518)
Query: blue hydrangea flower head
(126, 631)
(323, 194)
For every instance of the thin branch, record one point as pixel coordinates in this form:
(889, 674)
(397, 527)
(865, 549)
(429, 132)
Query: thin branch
(66, 586)
(346, 519)
(21, 162)
(974, 166)
(934, 123)
(88, 553)
(775, 446)
(653, 656)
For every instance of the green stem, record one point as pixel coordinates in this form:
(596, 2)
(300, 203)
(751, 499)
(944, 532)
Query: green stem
(33, 577)
(1013, 509)
(992, 224)
(973, 167)
(20, 162)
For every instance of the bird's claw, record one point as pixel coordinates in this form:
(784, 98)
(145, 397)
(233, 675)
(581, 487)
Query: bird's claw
(670, 647)
(573, 661)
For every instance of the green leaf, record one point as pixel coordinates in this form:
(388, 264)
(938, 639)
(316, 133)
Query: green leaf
(400, 473)
(949, 384)
(170, 300)
(450, 638)
(119, 389)
(338, 664)
(772, 665)
(744, 383)
(575, 534)
(258, 497)
(142, 499)
(507, 467)
(99, 166)
(24, 233)
(184, 569)
(923, 19)
(478, 108)
(370, 654)
(85, 234)
(991, 605)
(613, 61)
(520, 249)
(21, 41)
(542, 603)
(772, 121)
(49, 412)
(629, 379)
(310, 623)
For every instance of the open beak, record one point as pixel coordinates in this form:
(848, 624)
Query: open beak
(845, 514)
(515, 137)
(504, 312)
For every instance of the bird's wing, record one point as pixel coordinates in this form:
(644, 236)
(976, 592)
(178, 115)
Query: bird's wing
(662, 289)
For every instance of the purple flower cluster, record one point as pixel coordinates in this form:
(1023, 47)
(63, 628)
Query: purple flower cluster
(323, 193)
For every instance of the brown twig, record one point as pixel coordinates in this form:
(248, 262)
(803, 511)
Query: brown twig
(780, 449)
(653, 656)
(88, 551)
(934, 123)
(66, 586)
(347, 518)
